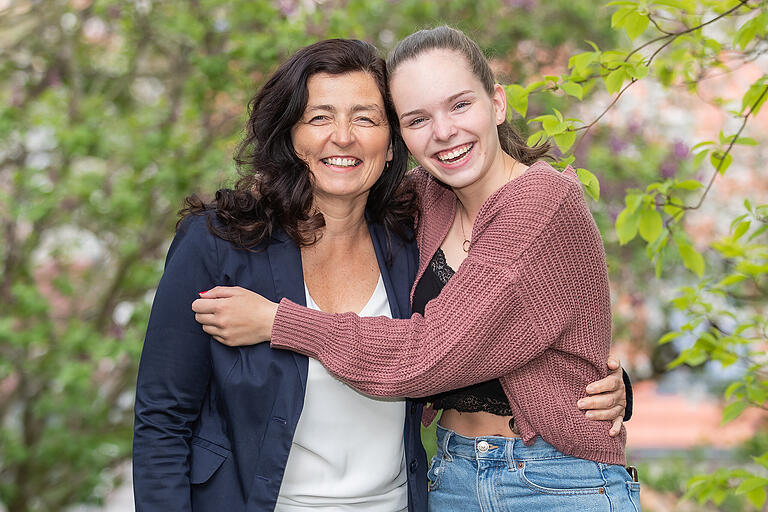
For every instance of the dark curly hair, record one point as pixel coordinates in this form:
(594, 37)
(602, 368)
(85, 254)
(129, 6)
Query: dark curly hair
(275, 188)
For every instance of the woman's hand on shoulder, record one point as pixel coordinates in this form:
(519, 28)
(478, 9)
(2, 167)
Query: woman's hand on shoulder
(607, 398)
(235, 316)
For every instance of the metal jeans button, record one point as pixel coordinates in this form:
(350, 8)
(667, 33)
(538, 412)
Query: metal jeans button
(482, 446)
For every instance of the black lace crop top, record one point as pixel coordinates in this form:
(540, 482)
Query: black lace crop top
(486, 396)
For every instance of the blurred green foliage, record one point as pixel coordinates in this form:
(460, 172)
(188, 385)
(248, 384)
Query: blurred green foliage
(725, 304)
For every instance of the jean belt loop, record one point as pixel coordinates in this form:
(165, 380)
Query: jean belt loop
(448, 434)
(509, 452)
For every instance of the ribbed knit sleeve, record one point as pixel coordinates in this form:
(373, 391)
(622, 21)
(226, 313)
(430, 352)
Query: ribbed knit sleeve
(518, 293)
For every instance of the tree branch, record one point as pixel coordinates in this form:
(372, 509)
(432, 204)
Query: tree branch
(727, 151)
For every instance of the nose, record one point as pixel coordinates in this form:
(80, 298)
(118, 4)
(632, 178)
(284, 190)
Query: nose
(342, 133)
(443, 127)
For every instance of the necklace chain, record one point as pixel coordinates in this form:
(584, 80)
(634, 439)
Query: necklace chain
(466, 242)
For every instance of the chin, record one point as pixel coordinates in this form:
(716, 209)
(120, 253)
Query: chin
(457, 179)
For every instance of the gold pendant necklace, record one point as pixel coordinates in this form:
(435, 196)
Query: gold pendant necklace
(466, 242)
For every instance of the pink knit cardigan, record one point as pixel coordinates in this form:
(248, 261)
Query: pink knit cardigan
(530, 305)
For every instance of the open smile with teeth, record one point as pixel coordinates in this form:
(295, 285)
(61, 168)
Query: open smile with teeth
(454, 154)
(337, 161)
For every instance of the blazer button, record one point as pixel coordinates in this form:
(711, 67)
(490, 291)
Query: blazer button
(414, 406)
(414, 466)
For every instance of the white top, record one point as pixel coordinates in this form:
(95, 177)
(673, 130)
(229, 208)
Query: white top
(348, 452)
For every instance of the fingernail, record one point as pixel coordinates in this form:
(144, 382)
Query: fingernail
(200, 293)
(580, 403)
(590, 389)
(590, 414)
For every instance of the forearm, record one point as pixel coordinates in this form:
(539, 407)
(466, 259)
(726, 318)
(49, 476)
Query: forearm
(389, 357)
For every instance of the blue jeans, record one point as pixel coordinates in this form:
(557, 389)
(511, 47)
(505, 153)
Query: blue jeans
(494, 474)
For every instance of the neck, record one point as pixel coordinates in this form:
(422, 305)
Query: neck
(344, 219)
(503, 170)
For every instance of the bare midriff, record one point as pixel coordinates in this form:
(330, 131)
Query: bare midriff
(476, 424)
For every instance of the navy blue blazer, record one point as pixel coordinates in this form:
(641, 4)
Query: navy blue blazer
(214, 424)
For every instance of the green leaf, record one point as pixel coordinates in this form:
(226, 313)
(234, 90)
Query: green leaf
(738, 219)
(702, 144)
(750, 30)
(755, 96)
(668, 337)
(733, 411)
(757, 497)
(638, 70)
(751, 484)
(565, 140)
(699, 158)
(635, 24)
(762, 460)
(732, 389)
(517, 98)
(551, 124)
(581, 61)
(742, 228)
(615, 80)
(533, 86)
(620, 17)
(746, 141)
(720, 161)
(691, 258)
(730, 280)
(650, 225)
(633, 201)
(626, 225)
(590, 182)
(673, 211)
(535, 138)
(688, 185)
(572, 89)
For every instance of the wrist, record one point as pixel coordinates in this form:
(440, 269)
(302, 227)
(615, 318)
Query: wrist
(270, 320)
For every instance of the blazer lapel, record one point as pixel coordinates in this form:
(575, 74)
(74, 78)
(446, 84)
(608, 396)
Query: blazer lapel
(288, 276)
(392, 276)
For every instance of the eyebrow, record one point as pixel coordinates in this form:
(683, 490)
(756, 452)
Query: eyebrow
(356, 108)
(447, 100)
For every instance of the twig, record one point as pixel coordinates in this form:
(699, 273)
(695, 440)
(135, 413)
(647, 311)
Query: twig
(658, 27)
(727, 151)
(587, 127)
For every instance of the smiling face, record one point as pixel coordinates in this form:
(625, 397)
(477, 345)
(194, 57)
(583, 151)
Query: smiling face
(343, 135)
(447, 118)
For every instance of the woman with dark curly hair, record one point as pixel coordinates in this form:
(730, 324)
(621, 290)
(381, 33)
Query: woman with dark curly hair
(318, 217)
(259, 429)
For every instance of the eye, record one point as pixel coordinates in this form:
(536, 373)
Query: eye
(461, 105)
(416, 121)
(365, 121)
(319, 119)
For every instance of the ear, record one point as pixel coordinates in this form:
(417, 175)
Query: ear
(390, 153)
(499, 101)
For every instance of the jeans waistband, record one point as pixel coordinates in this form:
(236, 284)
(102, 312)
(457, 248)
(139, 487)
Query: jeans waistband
(509, 449)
